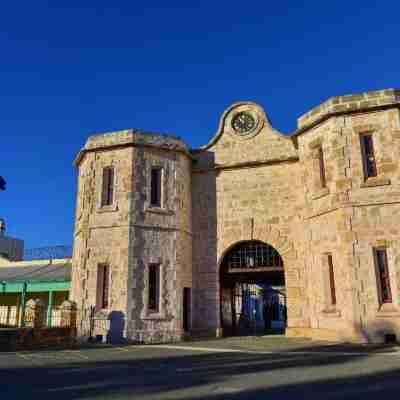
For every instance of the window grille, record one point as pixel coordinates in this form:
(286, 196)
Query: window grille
(368, 154)
(107, 195)
(332, 280)
(154, 287)
(156, 183)
(253, 255)
(103, 285)
(322, 173)
(385, 291)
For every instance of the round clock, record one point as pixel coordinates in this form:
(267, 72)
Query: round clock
(243, 123)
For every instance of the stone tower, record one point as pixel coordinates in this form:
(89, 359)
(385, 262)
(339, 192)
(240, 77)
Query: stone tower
(133, 244)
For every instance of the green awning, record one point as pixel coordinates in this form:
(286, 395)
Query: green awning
(38, 278)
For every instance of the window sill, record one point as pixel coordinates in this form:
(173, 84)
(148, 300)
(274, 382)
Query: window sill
(105, 209)
(388, 310)
(320, 193)
(371, 182)
(331, 313)
(159, 210)
(154, 317)
(101, 314)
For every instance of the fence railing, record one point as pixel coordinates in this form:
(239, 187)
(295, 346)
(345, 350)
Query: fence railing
(36, 314)
(8, 316)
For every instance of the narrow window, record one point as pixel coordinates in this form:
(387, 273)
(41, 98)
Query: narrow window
(186, 308)
(384, 289)
(369, 163)
(103, 284)
(156, 183)
(331, 280)
(322, 167)
(154, 287)
(107, 194)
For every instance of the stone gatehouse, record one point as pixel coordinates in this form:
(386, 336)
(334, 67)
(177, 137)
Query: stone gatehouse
(254, 229)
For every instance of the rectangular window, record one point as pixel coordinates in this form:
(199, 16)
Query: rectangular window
(186, 308)
(382, 270)
(107, 193)
(331, 280)
(156, 185)
(321, 167)
(154, 288)
(103, 284)
(369, 163)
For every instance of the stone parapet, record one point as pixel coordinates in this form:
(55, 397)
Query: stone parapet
(346, 104)
(131, 137)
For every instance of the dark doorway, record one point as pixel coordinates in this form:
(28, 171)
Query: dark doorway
(253, 295)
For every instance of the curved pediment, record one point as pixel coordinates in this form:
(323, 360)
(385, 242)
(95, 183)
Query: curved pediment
(245, 135)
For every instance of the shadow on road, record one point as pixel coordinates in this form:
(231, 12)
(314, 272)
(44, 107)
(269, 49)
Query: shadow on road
(155, 376)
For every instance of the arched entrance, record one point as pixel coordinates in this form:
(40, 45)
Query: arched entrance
(253, 294)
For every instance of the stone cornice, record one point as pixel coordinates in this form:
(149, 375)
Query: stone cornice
(349, 104)
(131, 138)
(349, 205)
(249, 164)
(335, 106)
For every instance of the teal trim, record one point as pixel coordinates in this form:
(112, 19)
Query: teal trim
(36, 287)
(50, 308)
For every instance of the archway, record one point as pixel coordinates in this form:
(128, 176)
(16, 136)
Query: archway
(253, 294)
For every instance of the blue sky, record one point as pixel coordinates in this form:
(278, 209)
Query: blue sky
(68, 69)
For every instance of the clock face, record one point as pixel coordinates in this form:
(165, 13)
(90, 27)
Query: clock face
(243, 123)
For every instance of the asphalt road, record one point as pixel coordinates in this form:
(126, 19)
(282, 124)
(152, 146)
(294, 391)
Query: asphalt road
(268, 368)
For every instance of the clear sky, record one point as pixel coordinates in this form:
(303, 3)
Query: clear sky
(72, 68)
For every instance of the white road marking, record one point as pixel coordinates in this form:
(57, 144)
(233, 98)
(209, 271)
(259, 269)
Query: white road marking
(30, 359)
(293, 352)
(123, 349)
(76, 353)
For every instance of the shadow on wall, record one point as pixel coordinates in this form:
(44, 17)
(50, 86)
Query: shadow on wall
(115, 334)
(107, 327)
(206, 314)
(378, 331)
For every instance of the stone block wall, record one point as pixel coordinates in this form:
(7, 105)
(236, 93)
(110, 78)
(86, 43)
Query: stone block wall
(254, 184)
(130, 234)
(101, 233)
(348, 218)
(245, 188)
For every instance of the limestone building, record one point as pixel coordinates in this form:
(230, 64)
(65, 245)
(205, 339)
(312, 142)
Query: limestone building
(254, 229)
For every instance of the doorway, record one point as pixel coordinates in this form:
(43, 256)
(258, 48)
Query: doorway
(253, 295)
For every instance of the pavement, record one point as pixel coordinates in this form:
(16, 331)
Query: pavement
(270, 367)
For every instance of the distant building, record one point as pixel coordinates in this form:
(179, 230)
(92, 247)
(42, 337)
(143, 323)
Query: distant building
(174, 240)
(10, 248)
(46, 279)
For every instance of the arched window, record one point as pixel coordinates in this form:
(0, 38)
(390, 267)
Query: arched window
(252, 254)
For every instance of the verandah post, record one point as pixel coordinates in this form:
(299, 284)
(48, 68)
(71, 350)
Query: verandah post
(50, 308)
(23, 303)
